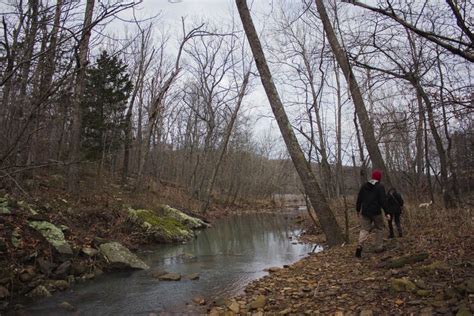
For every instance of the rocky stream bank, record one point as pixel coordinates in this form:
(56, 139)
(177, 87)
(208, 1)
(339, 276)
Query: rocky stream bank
(43, 250)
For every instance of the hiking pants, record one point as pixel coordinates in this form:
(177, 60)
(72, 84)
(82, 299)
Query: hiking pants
(395, 217)
(368, 224)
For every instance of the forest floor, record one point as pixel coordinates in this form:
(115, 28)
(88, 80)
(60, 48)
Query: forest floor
(430, 271)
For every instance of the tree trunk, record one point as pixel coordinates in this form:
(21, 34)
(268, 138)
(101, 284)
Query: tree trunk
(364, 120)
(227, 135)
(326, 217)
(75, 146)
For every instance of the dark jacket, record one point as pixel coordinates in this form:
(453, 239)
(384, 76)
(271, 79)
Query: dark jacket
(371, 199)
(394, 202)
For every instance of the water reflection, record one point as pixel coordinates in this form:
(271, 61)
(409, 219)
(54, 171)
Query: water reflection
(227, 256)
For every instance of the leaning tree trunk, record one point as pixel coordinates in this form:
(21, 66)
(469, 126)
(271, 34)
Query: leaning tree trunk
(319, 202)
(365, 124)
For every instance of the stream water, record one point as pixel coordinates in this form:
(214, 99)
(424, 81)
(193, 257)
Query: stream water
(227, 256)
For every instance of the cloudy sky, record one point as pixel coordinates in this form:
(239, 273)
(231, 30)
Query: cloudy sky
(170, 13)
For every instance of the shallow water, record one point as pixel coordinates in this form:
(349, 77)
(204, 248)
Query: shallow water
(227, 257)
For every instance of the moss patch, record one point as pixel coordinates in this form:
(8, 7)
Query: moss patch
(161, 228)
(185, 219)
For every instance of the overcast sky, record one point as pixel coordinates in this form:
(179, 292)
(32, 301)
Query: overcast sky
(171, 11)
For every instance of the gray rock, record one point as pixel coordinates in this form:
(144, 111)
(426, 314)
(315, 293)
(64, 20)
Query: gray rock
(120, 257)
(90, 252)
(199, 300)
(60, 285)
(259, 302)
(45, 265)
(39, 291)
(4, 293)
(170, 277)
(157, 273)
(79, 268)
(67, 306)
(193, 276)
(53, 235)
(63, 269)
(27, 274)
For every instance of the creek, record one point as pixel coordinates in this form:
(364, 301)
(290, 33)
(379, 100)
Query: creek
(227, 256)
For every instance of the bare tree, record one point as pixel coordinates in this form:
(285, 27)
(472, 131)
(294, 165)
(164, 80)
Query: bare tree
(328, 222)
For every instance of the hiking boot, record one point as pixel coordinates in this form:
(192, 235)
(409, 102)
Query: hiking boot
(391, 236)
(358, 253)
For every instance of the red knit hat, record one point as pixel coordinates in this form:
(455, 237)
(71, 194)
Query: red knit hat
(376, 175)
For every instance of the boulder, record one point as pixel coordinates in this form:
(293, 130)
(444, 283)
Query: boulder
(170, 277)
(120, 257)
(160, 228)
(183, 218)
(53, 235)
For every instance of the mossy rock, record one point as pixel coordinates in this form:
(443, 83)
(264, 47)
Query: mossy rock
(162, 229)
(402, 261)
(53, 235)
(402, 285)
(423, 293)
(27, 207)
(435, 266)
(4, 209)
(189, 221)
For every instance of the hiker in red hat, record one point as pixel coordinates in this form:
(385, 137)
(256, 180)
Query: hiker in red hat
(370, 201)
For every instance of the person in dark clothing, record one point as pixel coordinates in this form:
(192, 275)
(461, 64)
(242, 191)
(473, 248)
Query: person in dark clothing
(394, 210)
(370, 201)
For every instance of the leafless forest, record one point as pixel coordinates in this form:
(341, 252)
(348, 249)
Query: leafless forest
(352, 84)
